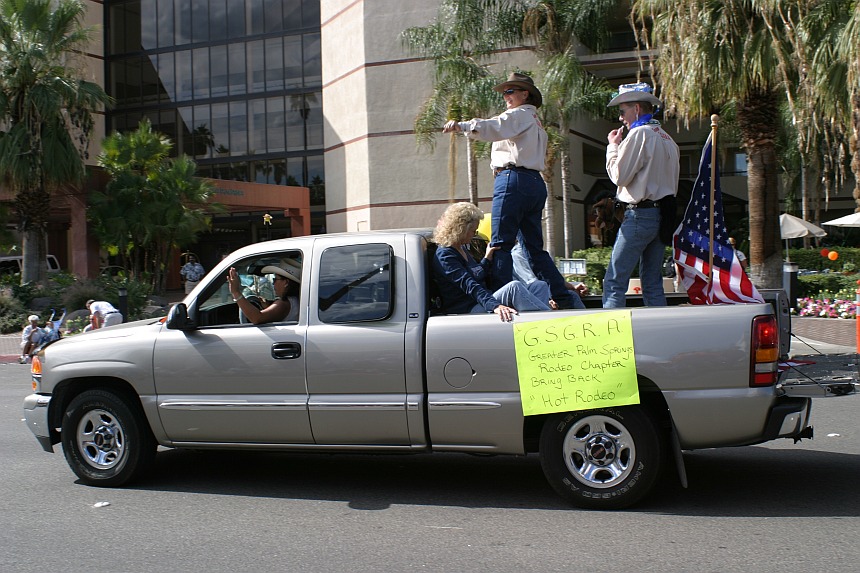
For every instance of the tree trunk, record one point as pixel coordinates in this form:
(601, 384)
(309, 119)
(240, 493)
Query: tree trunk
(452, 168)
(854, 144)
(565, 200)
(472, 169)
(758, 126)
(549, 213)
(809, 181)
(33, 203)
(34, 252)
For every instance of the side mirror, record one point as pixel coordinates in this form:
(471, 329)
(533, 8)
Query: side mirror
(177, 318)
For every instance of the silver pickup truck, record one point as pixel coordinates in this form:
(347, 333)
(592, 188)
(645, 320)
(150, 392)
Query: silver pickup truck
(370, 366)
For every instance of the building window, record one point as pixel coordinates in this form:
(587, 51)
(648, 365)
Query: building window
(236, 84)
(736, 163)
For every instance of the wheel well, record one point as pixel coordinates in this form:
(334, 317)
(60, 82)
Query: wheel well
(68, 390)
(650, 397)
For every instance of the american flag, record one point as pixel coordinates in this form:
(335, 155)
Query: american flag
(730, 284)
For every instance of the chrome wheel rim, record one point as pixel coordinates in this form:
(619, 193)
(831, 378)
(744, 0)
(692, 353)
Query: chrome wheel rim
(100, 439)
(599, 451)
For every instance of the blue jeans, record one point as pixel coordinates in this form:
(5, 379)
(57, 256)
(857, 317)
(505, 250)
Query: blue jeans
(534, 296)
(637, 242)
(523, 272)
(519, 196)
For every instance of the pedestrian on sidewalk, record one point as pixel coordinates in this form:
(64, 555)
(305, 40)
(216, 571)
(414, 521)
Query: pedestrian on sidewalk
(102, 315)
(192, 271)
(31, 338)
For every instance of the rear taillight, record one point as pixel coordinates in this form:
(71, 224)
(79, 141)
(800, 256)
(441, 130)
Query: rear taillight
(765, 351)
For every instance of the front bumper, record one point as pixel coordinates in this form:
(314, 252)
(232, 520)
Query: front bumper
(36, 418)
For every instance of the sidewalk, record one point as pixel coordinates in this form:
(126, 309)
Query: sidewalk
(823, 336)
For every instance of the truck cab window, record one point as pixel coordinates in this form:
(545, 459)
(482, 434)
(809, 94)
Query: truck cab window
(355, 284)
(257, 275)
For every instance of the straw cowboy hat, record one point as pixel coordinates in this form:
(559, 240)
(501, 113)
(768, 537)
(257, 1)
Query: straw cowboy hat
(523, 82)
(634, 92)
(292, 270)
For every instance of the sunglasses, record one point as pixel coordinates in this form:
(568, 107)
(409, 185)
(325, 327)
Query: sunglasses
(510, 91)
(279, 278)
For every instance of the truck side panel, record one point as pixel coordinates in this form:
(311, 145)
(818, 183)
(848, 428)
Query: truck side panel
(699, 357)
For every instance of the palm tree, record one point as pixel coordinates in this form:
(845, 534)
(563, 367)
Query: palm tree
(798, 29)
(46, 111)
(464, 35)
(838, 63)
(151, 205)
(848, 51)
(557, 27)
(713, 53)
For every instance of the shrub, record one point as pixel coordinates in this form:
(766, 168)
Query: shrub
(13, 315)
(811, 259)
(812, 286)
(64, 291)
(596, 262)
(76, 325)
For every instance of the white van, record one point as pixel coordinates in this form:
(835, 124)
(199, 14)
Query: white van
(9, 265)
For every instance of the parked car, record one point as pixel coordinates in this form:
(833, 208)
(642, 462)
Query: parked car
(14, 264)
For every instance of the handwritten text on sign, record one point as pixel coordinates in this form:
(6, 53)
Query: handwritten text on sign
(576, 362)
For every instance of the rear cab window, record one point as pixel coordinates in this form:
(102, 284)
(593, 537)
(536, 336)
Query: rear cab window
(355, 284)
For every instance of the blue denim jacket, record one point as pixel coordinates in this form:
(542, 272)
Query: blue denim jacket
(462, 282)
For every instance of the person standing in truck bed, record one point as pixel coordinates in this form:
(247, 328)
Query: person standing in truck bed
(519, 193)
(645, 166)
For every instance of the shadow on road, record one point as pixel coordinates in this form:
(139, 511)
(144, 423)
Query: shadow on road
(733, 482)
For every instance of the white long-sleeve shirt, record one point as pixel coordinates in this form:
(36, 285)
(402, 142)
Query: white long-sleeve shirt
(645, 165)
(517, 135)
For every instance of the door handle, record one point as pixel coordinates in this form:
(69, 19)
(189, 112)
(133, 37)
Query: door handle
(286, 350)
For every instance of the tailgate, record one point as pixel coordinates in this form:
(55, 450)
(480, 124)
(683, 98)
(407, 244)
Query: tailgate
(820, 376)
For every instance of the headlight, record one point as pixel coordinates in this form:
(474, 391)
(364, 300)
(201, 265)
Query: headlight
(36, 373)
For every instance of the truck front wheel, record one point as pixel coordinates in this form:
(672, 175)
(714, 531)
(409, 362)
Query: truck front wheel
(106, 440)
(602, 459)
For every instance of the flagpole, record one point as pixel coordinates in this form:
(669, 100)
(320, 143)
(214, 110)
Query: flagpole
(714, 120)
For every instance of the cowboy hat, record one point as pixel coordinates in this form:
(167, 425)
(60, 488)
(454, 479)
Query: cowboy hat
(292, 271)
(523, 82)
(634, 92)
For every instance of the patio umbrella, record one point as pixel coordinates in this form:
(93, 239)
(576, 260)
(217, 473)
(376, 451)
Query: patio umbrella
(852, 220)
(791, 227)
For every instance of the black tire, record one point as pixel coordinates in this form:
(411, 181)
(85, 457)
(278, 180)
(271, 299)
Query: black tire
(608, 458)
(106, 439)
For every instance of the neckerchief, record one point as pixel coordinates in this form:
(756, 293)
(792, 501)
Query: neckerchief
(643, 119)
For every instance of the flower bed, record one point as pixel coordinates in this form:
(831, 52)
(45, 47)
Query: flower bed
(827, 307)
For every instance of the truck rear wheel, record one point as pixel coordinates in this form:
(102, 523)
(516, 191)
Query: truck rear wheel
(602, 459)
(106, 440)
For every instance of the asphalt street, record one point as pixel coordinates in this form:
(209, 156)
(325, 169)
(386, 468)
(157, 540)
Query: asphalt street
(767, 508)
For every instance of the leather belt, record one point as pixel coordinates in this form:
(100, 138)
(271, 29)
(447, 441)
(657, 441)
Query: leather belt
(112, 312)
(647, 204)
(497, 170)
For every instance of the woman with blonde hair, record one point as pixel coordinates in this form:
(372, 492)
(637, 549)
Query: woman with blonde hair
(462, 281)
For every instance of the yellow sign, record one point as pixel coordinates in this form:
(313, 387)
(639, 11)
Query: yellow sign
(576, 362)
